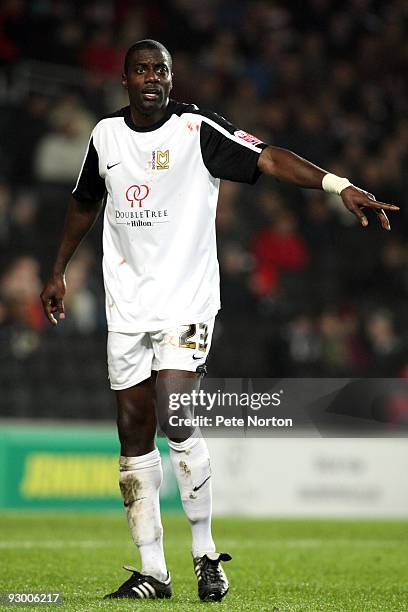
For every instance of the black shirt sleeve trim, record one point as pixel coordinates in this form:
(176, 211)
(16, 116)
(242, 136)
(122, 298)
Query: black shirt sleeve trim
(90, 186)
(227, 158)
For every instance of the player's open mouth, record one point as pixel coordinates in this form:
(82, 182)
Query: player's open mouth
(150, 95)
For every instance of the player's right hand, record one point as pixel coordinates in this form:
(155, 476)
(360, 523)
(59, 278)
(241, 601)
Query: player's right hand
(52, 298)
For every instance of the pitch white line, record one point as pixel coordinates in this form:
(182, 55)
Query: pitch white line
(226, 542)
(60, 544)
(307, 543)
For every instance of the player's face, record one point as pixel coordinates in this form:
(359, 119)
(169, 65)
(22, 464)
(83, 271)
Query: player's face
(148, 81)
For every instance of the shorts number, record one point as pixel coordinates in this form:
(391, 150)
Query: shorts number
(190, 332)
(185, 338)
(202, 346)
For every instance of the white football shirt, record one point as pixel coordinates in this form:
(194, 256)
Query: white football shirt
(161, 187)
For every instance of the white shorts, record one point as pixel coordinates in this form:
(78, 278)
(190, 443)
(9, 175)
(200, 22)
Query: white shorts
(132, 357)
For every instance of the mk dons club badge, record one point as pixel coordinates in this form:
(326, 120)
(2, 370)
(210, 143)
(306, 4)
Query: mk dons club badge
(160, 160)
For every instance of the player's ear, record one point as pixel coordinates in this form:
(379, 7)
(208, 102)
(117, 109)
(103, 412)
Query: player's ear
(124, 80)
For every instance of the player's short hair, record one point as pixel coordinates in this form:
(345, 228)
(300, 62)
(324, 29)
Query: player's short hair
(146, 43)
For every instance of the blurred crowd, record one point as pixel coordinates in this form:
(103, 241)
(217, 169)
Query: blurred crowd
(305, 290)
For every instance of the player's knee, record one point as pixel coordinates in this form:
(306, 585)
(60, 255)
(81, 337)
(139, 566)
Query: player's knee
(132, 445)
(135, 441)
(136, 429)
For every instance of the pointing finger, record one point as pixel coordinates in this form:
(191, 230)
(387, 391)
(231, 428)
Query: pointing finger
(380, 205)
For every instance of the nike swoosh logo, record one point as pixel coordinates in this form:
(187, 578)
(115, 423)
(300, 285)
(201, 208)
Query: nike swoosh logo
(198, 356)
(108, 167)
(202, 484)
(134, 500)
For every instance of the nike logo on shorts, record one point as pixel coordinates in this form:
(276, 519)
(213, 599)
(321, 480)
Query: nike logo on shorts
(108, 167)
(198, 356)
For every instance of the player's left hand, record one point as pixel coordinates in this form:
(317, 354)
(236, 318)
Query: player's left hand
(355, 200)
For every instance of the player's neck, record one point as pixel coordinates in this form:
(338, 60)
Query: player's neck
(145, 121)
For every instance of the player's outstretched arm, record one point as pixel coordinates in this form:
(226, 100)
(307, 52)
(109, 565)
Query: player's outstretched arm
(287, 166)
(79, 219)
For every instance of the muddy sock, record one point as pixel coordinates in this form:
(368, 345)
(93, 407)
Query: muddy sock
(140, 480)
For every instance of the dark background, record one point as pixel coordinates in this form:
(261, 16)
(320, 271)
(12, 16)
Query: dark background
(305, 290)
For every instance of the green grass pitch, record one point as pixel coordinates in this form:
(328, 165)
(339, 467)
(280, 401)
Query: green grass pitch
(278, 565)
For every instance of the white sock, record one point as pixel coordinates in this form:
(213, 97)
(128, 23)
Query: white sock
(191, 465)
(140, 479)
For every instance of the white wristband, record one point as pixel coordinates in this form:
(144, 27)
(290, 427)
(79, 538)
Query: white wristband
(334, 184)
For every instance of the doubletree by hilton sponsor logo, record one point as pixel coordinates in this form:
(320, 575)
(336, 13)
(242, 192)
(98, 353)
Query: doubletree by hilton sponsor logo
(136, 195)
